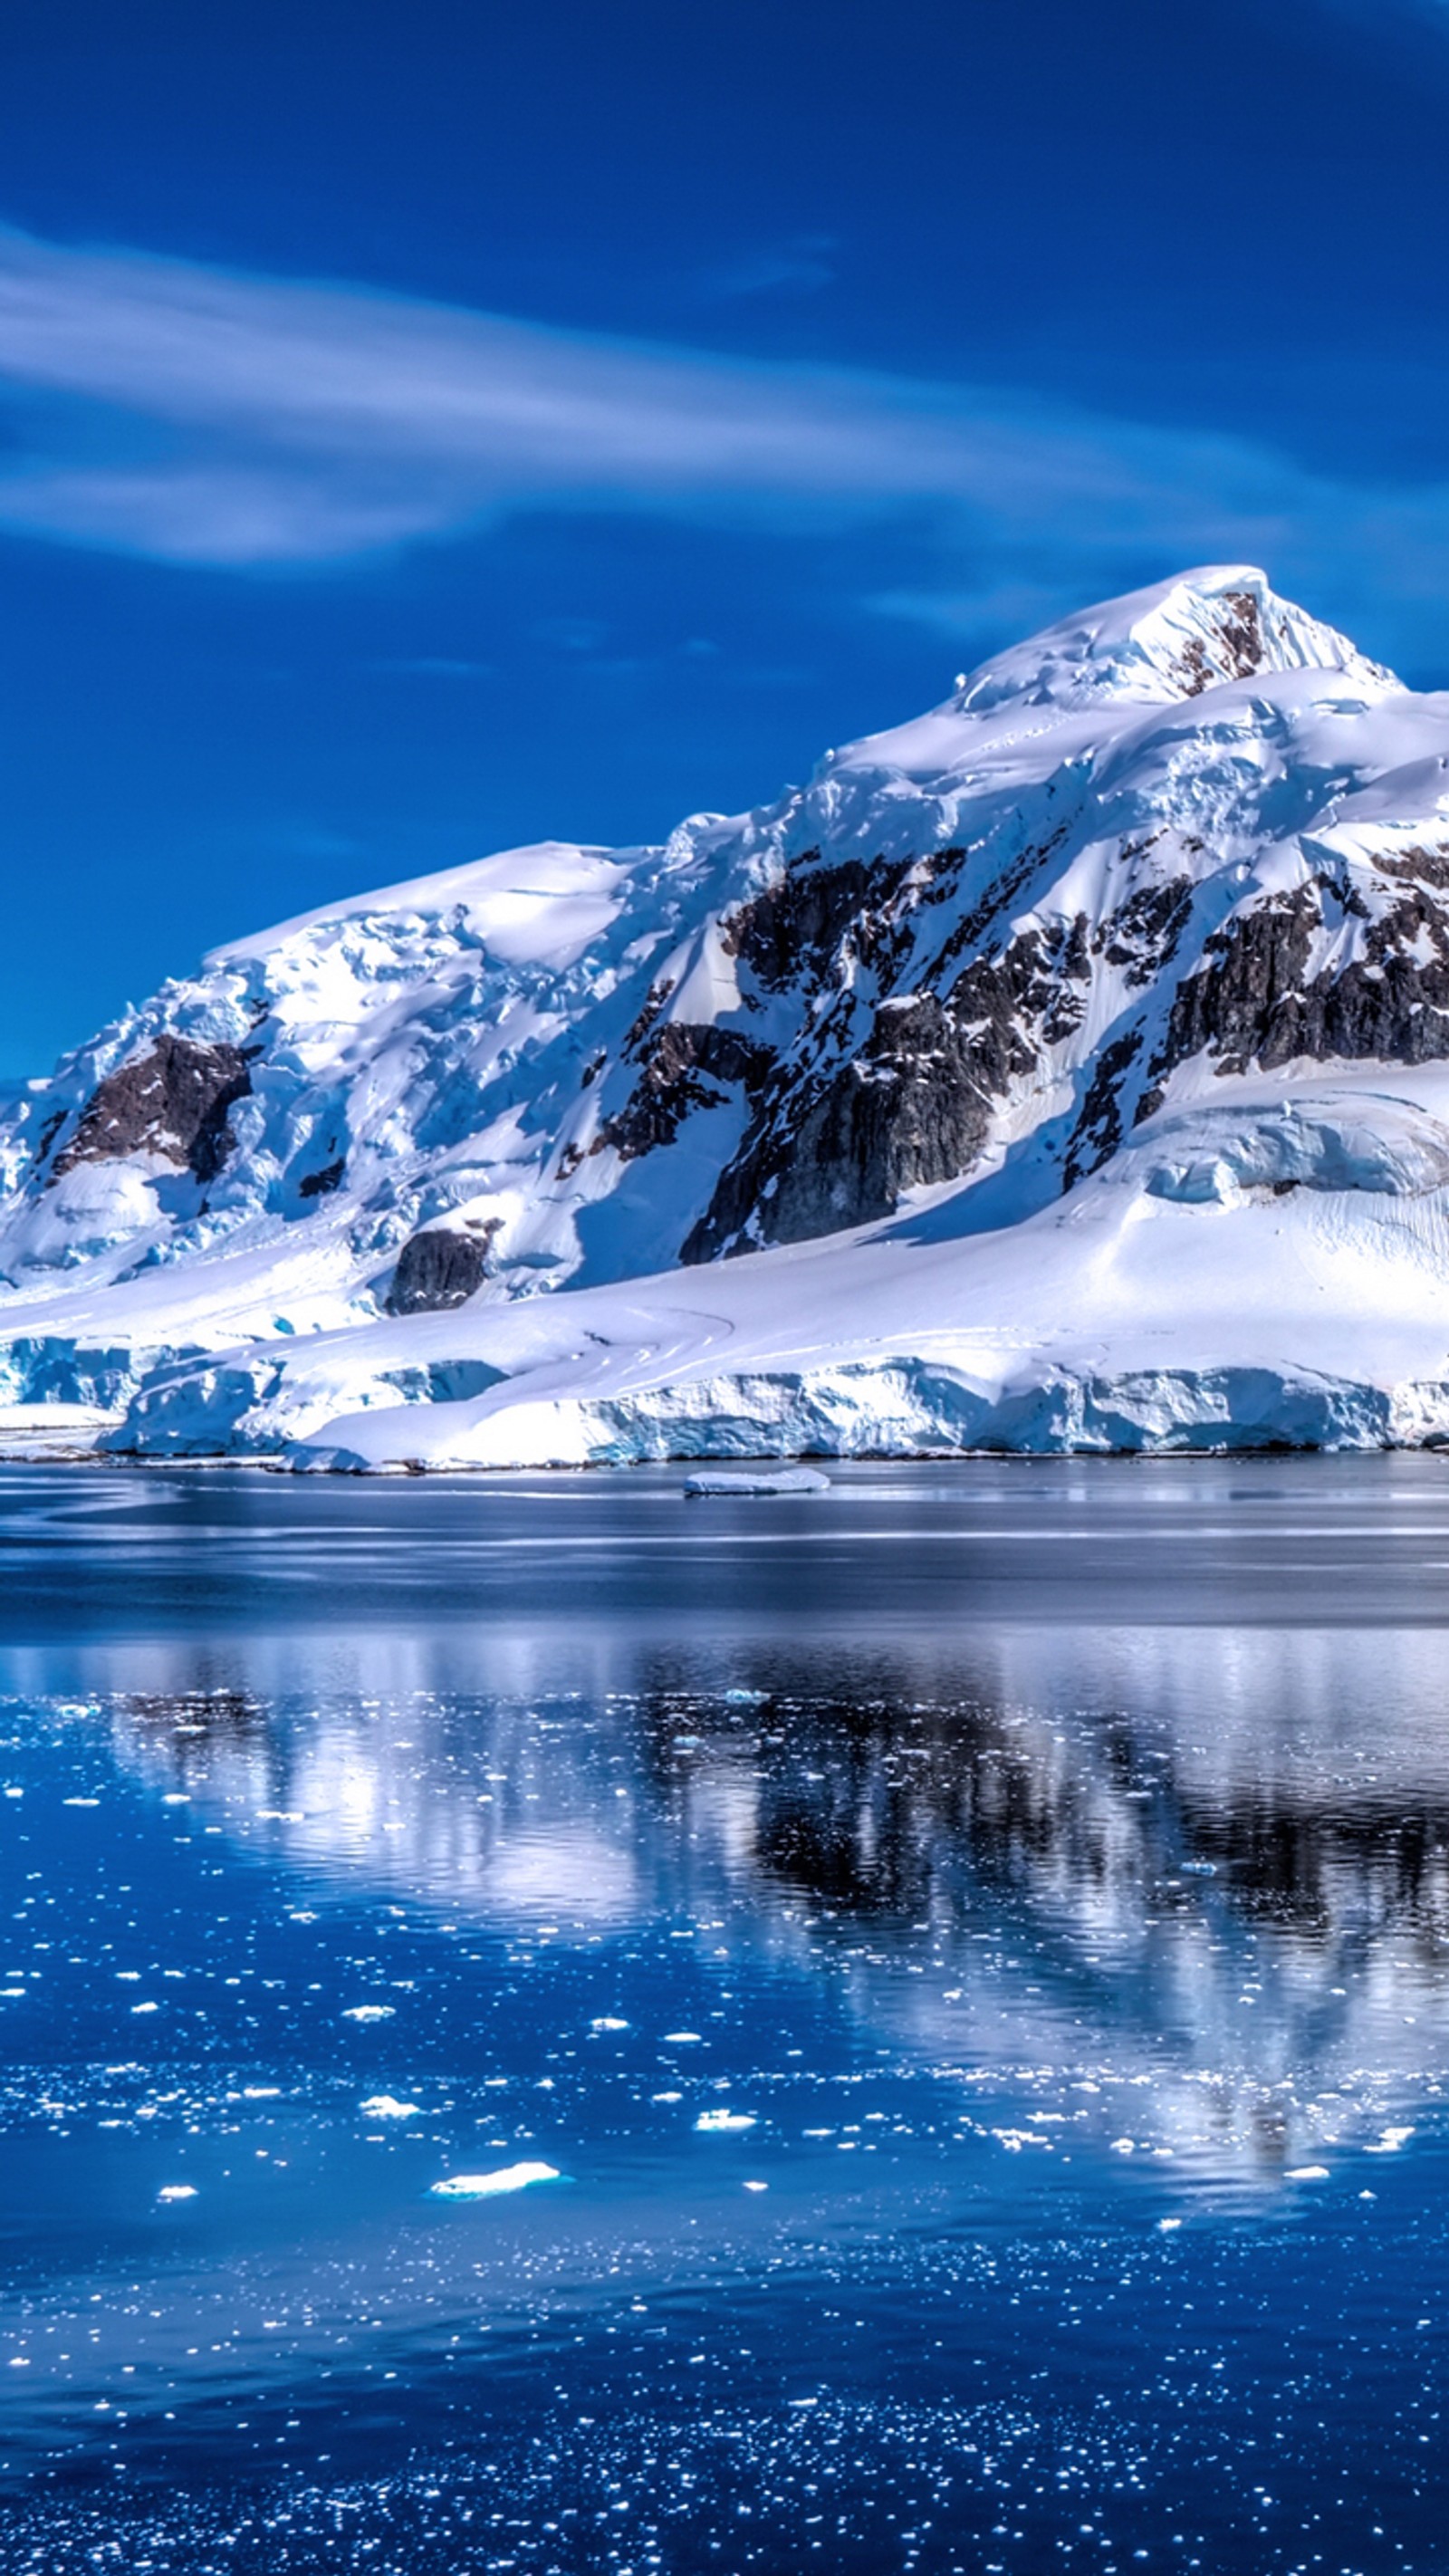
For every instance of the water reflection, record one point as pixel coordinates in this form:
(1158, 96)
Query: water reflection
(974, 1945)
(1212, 1866)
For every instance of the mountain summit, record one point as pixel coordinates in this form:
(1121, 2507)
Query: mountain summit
(1127, 962)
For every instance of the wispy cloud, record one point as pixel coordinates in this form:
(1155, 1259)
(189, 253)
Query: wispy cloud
(800, 266)
(202, 416)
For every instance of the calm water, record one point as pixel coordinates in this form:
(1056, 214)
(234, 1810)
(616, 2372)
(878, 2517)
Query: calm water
(973, 1950)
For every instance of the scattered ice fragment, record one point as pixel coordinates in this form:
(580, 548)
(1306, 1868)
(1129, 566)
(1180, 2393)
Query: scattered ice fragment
(752, 1699)
(14, 1793)
(489, 2185)
(261, 2092)
(608, 2021)
(763, 1480)
(386, 2106)
(654, 2097)
(1198, 1868)
(1307, 2173)
(1124, 2146)
(1389, 2142)
(140, 2008)
(720, 2120)
(369, 2012)
(681, 2038)
(757, 2186)
(1167, 2224)
(80, 1802)
(177, 2191)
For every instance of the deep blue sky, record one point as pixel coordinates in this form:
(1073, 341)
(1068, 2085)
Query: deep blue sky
(855, 340)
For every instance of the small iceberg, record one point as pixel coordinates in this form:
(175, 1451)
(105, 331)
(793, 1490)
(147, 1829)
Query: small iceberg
(714, 2121)
(386, 2106)
(488, 2186)
(755, 1480)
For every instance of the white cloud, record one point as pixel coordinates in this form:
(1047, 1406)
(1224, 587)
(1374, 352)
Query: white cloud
(202, 416)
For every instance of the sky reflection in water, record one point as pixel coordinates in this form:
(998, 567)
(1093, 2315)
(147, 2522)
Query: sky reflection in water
(972, 1950)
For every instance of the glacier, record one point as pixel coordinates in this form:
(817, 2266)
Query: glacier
(1064, 1069)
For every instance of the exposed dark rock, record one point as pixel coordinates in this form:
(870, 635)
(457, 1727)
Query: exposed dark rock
(1424, 867)
(682, 1068)
(1239, 642)
(440, 1267)
(172, 1102)
(1144, 932)
(1253, 1001)
(791, 932)
(1098, 1131)
(912, 1107)
(316, 1185)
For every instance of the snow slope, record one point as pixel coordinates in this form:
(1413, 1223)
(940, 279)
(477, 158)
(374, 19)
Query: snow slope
(1068, 1067)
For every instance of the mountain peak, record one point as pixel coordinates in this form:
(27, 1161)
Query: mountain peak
(1202, 629)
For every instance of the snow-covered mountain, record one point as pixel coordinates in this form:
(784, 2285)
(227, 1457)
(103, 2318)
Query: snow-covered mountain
(1069, 1066)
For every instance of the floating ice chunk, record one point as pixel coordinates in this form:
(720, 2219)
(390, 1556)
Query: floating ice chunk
(718, 2121)
(755, 1480)
(682, 2038)
(752, 1699)
(177, 2191)
(1307, 2173)
(757, 2186)
(1199, 1868)
(369, 2012)
(140, 2008)
(608, 2021)
(488, 2186)
(1389, 2142)
(386, 2106)
(80, 1802)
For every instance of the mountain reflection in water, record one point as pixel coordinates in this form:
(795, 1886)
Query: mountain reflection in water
(1167, 1855)
(552, 2031)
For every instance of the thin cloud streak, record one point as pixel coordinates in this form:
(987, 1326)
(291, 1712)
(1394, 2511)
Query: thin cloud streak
(201, 416)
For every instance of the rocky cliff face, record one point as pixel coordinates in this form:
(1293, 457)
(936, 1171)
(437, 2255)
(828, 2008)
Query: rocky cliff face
(1189, 835)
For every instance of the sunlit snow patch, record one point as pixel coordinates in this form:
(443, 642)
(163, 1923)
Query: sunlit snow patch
(489, 2185)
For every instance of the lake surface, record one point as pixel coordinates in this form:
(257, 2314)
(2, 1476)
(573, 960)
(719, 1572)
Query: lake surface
(970, 1951)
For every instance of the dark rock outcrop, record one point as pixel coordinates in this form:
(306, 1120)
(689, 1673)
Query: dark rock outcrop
(682, 1069)
(172, 1102)
(438, 1268)
(911, 1107)
(1253, 1001)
